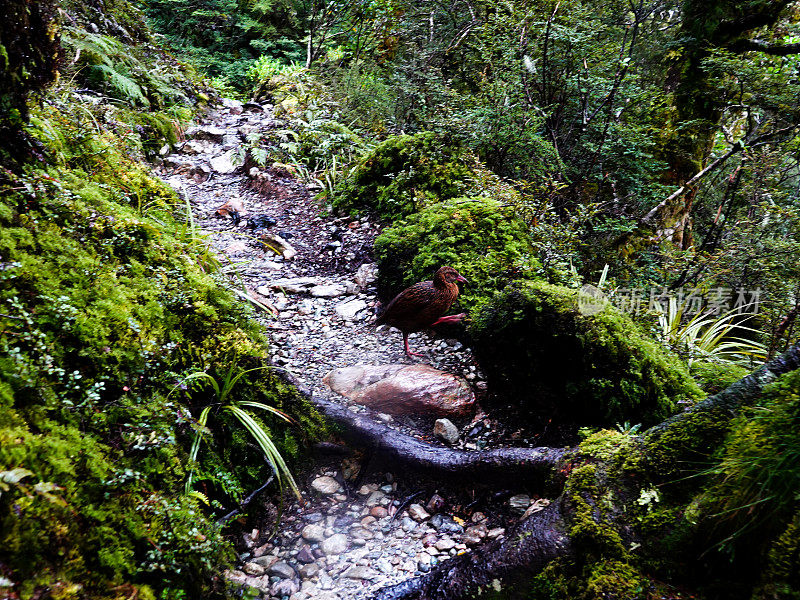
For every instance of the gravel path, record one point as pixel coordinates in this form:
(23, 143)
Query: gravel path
(342, 543)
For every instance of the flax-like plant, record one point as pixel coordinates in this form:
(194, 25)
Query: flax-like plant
(224, 402)
(708, 337)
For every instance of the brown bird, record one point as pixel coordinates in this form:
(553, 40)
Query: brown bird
(423, 304)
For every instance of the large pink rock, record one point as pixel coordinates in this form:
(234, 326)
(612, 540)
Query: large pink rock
(404, 389)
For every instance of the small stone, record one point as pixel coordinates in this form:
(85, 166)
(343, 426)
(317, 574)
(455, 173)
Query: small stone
(336, 544)
(224, 163)
(384, 566)
(313, 533)
(495, 533)
(375, 498)
(304, 555)
(210, 133)
(379, 512)
(359, 572)
(254, 569)
(416, 512)
(445, 544)
(287, 587)
(366, 274)
(348, 310)
(474, 535)
(306, 307)
(446, 431)
(308, 571)
(327, 291)
(266, 561)
(408, 524)
(519, 503)
(477, 517)
(445, 524)
(314, 517)
(296, 285)
(326, 485)
(361, 533)
(193, 148)
(282, 570)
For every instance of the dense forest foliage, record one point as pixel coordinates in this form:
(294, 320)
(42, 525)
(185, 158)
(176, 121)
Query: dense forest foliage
(647, 149)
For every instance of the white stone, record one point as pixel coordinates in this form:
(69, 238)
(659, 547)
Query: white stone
(348, 310)
(326, 485)
(327, 291)
(224, 163)
(416, 512)
(313, 533)
(336, 544)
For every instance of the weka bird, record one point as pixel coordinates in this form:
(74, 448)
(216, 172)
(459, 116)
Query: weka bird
(423, 304)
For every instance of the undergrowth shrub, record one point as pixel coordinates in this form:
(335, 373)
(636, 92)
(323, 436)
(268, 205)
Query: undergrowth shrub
(754, 492)
(479, 237)
(599, 369)
(404, 174)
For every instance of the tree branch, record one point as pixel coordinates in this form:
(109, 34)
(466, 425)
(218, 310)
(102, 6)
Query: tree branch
(652, 217)
(744, 45)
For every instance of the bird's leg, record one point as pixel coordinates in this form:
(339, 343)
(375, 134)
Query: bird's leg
(409, 353)
(449, 319)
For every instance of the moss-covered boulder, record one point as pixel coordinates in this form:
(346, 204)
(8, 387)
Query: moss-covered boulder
(404, 174)
(538, 349)
(480, 237)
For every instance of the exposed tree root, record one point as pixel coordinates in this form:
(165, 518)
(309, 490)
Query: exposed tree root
(518, 557)
(542, 537)
(535, 466)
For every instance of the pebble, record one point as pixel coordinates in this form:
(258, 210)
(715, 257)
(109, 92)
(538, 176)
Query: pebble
(326, 485)
(446, 431)
(335, 544)
(519, 503)
(379, 512)
(418, 513)
(445, 544)
(360, 572)
(282, 570)
(313, 533)
(253, 568)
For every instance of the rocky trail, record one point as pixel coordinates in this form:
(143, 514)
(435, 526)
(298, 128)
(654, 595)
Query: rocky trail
(363, 524)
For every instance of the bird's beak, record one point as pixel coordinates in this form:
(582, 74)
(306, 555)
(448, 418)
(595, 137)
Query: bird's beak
(461, 279)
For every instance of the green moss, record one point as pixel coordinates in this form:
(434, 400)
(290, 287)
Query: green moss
(479, 237)
(406, 173)
(107, 303)
(781, 577)
(715, 377)
(537, 347)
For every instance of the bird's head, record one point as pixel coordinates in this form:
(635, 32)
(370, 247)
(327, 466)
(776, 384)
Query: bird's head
(448, 275)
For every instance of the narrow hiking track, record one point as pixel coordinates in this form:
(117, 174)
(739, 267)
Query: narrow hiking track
(362, 526)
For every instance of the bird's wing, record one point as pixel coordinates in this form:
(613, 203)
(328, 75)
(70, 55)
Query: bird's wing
(409, 302)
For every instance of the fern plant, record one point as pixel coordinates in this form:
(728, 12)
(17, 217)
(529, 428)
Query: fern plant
(708, 337)
(225, 402)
